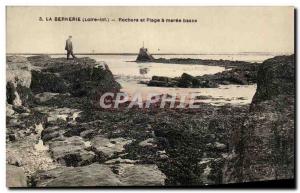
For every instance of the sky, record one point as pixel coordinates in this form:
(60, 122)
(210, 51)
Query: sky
(217, 30)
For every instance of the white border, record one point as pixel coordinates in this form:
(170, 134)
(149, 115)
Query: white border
(4, 3)
(154, 2)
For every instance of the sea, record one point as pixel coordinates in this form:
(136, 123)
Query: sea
(130, 74)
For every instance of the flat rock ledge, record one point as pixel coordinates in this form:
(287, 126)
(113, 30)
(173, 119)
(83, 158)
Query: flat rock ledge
(102, 175)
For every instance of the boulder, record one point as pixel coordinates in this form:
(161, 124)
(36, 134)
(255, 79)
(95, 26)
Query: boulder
(265, 149)
(80, 77)
(275, 76)
(187, 81)
(267, 141)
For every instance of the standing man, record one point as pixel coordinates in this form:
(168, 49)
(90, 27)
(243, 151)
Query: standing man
(69, 48)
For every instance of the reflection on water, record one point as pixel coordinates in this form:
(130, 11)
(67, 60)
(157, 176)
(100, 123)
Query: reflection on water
(147, 70)
(144, 71)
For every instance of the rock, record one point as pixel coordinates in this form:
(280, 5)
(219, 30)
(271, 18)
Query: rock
(90, 133)
(237, 72)
(186, 81)
(265, 149)
(144, 55)
(216, 146)
(38, 58)
(80, 77)
(157, 83)
(92, 175)
(205, 164)
(20, 109)
(143, 82)
(276, 76)
(239, 75)
(141, 175)
(45, 96)
(15, 177)
(18, 70)
(9, 110)
(48, 82)
(12, 137)
(207, 84)
(18, 80)
(95, 175)
(13, 160)
(54, 114)
(12, 96)
(161, 78)
(22, 124)
(24, 151)
(163, 156)
(71, 151)
(211, 170)
(268, 141)
(220, 146)
(209, 62)
(148, 142)
(109, 147)
(92, 147)
(51, 132)
(162, 81)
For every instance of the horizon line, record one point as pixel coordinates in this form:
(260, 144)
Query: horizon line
(131, 53)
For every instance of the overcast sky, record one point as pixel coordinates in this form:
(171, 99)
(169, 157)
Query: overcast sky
(218, 29)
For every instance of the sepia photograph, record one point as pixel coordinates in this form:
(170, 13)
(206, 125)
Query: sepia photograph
(150, 96)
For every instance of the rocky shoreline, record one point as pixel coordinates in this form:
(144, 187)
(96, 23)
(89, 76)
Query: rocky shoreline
(237, 72)
(210, 62)
(58, 136)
